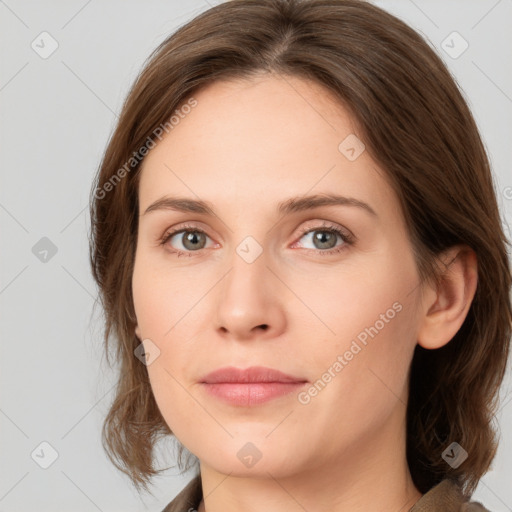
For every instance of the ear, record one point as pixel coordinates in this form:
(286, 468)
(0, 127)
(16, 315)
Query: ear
(138, 333)
(445, 307)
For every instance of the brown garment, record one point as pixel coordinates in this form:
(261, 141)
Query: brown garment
(446, 496)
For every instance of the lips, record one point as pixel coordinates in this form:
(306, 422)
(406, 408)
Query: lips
(253, 374)
(249, 387)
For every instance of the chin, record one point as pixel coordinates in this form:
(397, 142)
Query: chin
(250, 458)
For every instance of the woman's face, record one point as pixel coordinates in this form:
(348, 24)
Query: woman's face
(264, 280)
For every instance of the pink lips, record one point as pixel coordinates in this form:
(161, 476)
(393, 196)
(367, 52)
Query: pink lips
(252, 386)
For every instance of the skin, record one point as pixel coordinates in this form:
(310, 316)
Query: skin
(245, 147)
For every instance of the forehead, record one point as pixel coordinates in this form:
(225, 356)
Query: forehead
(256, 139)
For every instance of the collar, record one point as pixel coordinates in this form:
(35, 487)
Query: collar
(446, 496)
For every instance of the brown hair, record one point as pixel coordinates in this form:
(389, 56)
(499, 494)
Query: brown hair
(415, 124)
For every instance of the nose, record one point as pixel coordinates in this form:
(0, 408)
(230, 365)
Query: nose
(249, 301)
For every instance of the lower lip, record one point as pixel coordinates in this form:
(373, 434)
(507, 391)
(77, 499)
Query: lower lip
(254, 393)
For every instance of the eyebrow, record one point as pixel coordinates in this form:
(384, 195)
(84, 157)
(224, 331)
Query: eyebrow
(294, 204)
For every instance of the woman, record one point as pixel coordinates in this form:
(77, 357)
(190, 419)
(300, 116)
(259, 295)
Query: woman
(343, 321)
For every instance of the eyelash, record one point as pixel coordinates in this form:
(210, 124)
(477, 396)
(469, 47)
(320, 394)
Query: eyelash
(348, 239)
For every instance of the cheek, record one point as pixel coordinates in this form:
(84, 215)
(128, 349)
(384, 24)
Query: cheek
(347, 301)
(163, 302)
(359, 380)
(369, 319)
(163, 295)
(171, 379)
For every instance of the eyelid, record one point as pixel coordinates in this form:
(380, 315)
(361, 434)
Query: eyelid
(327, 225)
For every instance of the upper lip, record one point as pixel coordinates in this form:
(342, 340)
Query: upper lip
(231, 374)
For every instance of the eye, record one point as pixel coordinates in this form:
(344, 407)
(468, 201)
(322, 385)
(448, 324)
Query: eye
(325, 237)
(191, 239)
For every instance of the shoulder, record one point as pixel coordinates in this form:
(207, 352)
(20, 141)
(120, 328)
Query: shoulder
(188, 498)
(473, 506)
(447, 496)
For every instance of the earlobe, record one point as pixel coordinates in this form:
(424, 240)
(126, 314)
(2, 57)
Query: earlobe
(138, 333)
(446, 307)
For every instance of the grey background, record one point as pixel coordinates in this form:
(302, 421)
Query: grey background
(56, 116)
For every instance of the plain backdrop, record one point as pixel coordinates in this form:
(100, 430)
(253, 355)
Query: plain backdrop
(57, 113)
